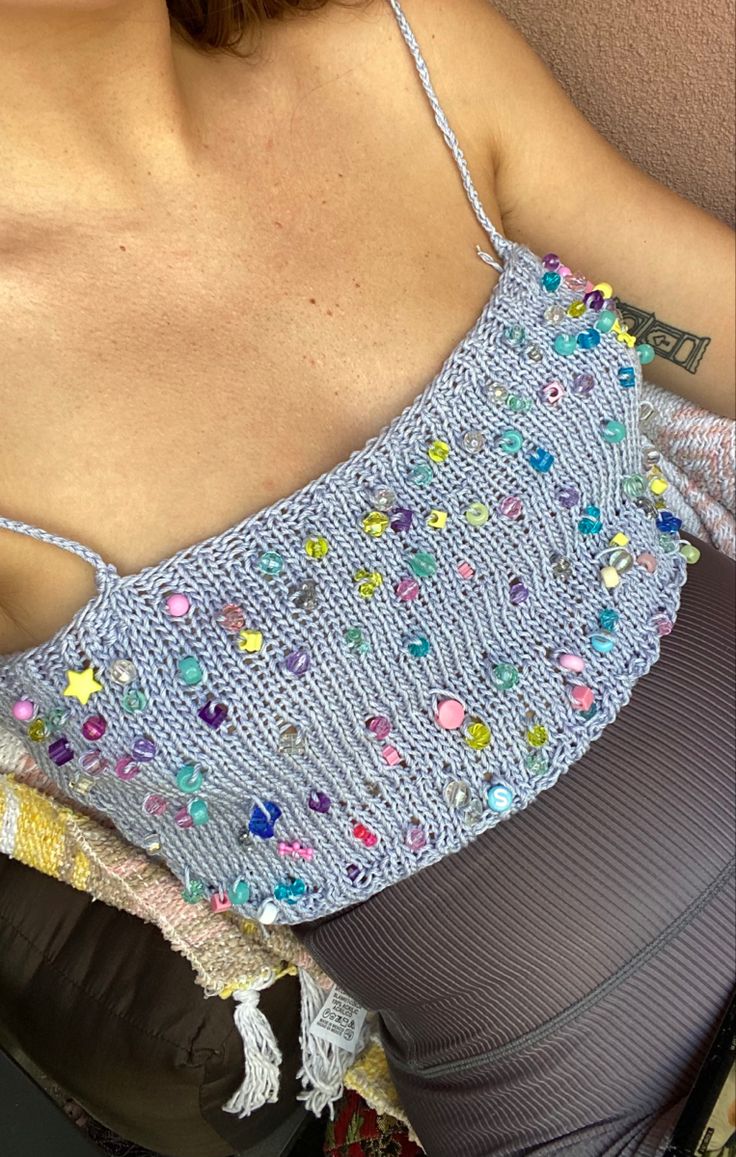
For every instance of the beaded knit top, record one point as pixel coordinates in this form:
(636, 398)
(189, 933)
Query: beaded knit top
(361, 678)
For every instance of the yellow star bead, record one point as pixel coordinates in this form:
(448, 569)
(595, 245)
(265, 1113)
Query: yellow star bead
(82, 684)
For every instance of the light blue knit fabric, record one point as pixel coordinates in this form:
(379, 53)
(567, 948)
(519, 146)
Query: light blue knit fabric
(402, 578)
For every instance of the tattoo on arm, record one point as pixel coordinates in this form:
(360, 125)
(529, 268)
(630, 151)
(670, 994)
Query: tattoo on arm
(676, 345)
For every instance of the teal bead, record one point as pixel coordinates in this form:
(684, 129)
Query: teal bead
(613, 431)
(199, 812)
(418, 646)
(271, 562)
(500, 797)
(189, 778)
(668, 544)
(634, 485)
(133, 700)
(423, 564)
(605, 320)
(281, 892)
(505, 676)
(565, 343)
(514, 335)
(551, 281)
(536, 762)
(645, 353)
(608, 618)
(589, 714)
(190, 671)
(510, 441)
(421, 474)
(239, 893)
(603, 642)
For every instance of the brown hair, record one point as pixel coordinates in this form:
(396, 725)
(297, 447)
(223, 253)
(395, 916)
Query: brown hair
(221, 24)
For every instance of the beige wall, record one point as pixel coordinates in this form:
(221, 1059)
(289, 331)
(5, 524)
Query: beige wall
(656, 77)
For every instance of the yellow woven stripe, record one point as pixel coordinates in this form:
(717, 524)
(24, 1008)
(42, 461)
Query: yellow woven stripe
(41, 831)
(79, 875)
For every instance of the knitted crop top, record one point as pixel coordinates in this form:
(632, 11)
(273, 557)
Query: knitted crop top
(361, 678)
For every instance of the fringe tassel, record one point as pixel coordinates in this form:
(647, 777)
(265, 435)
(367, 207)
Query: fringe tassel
(262, 1055)
(323, 1064)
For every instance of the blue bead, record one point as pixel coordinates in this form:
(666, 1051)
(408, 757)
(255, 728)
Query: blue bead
(668, 523)
(626, 377)
(590, 523)
(588, 339)
(262, 825)
(551, 281)
(541, 460)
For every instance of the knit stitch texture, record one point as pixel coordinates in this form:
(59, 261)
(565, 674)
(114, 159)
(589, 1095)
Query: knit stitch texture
(362, 677)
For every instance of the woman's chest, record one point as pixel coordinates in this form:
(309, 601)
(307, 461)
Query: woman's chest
(162, 384)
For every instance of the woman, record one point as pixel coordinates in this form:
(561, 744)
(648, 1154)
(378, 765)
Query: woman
(199, 250)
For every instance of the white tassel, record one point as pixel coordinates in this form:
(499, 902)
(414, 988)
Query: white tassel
(324, 1064)
(262, 1056)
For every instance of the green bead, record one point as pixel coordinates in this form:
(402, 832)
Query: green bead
(689, 552)
(477, 514)
(613, 431)
(634, 485)
(189, 778)
(536, 762)
(190, 671)
(239, 893)
(194, 892)
(605, 320)
(645, 353)
(133, 700)
(423, 564)
(198, 811)
(505, 676)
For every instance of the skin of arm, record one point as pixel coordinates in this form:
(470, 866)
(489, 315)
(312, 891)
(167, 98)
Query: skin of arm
(562, 187)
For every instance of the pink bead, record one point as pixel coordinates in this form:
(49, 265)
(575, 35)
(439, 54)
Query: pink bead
(465, 570)
(219, 903)
(177, 605)
(391, 755)
(512, 507)
(380, 726)
(182, 818)
(407, 589)
(582, 698)
(126, 768)
(94, 727)
(563, 270)
(571, 663)
(648, 561)
(155, 805)
(370, 840)
(449, 713)
(24, 709)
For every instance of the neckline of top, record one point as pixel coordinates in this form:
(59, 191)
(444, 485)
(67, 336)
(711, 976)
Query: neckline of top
(110, 580)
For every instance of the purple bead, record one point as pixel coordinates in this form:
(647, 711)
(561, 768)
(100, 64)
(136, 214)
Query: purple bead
(582, 384)
(401, 519)
(93, 762)
(60, 751)
(319, 802)
(298, 662)
(594, 299)
(143, 748)
(567, 496)
(353, 872)
(551, 261)
(519, 593)
(213, 714)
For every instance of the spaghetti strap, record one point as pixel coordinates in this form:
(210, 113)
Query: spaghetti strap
(501, 243)
(105, 573)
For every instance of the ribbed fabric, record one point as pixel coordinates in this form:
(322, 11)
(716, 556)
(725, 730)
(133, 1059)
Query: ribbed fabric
(570, 1011)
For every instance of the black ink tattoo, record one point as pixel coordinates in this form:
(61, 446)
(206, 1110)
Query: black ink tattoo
(676, 345)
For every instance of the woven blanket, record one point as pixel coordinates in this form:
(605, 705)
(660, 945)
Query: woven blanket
(232, 957)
